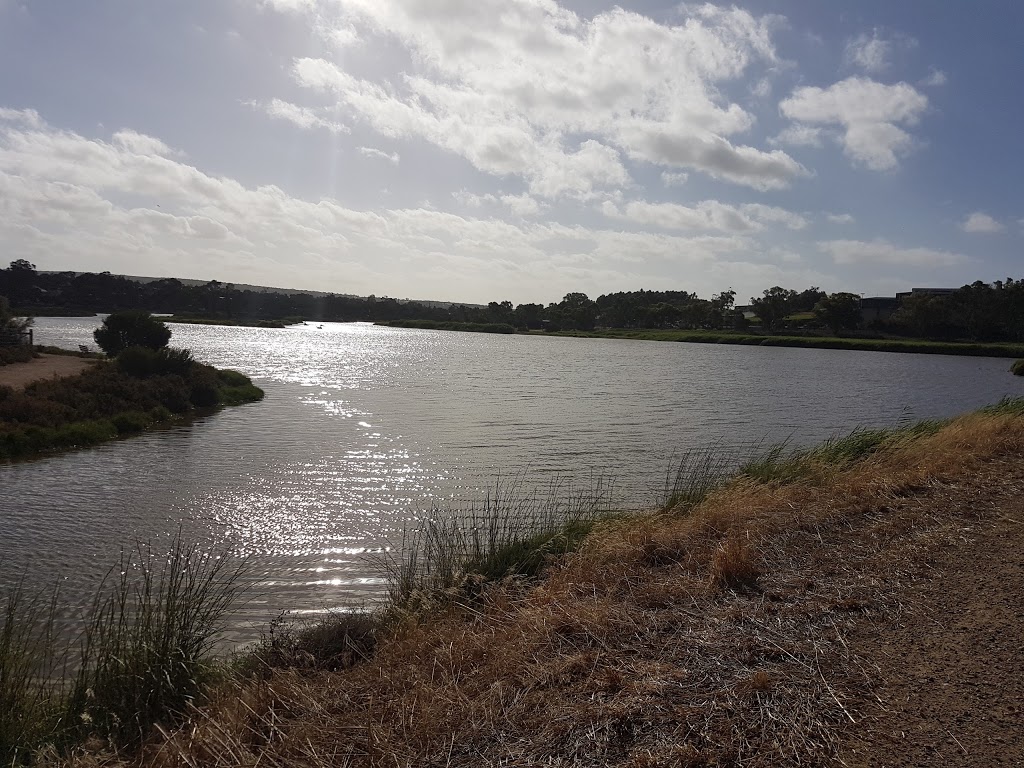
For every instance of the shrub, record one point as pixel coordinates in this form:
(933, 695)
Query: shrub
(131, 329)
(131, 422)
(233, 378)
(143, 361)
(1017, 369)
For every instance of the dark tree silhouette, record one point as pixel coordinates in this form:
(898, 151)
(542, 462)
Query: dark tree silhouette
(131, 329)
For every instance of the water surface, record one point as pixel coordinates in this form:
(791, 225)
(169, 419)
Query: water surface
(365, 428)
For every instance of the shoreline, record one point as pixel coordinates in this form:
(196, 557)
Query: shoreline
(845, 343)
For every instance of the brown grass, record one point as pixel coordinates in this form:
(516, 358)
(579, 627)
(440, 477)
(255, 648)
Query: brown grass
(714, 637)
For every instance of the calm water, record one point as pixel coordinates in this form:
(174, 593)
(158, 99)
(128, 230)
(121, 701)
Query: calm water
(365, 428)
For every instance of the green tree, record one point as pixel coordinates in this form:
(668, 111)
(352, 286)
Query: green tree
(131, 329)
(578, 311)
(773, 306)
(840, 311)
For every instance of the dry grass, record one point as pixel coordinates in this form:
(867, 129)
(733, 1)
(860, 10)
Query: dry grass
(714, 637)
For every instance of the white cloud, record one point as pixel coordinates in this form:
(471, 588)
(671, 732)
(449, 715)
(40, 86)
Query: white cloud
(671, 179)
(799, 135)
(936, 78)
(871, 54)
(869, 113)
(981, 223)
(300, 116)
(881, 252)
(840, 218)
(710, 215)
(141, 144)
(528, 88)
(521, 205)
(27, 117)
(392, 158)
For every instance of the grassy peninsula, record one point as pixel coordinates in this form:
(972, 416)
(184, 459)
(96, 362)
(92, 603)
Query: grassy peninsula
(142, 384)
(731, 625)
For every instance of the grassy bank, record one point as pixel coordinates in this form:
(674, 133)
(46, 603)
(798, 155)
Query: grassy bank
(138, 391)
(918, 346)
(550, 629)
(434, 325)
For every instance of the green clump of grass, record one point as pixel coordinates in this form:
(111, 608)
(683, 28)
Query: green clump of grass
(510, 534)
(142, 656)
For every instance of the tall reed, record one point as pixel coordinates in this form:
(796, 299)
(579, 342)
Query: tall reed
(140, 657)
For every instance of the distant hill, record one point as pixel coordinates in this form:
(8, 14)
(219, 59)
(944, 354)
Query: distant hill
(286, 291)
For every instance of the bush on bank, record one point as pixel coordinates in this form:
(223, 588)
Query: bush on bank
(140, 389)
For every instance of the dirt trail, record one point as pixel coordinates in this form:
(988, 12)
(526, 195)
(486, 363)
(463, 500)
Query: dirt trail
(18, 375)
(951, 667)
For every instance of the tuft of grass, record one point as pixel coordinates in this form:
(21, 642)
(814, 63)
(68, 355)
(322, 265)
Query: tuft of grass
(146, 648)
(1008, 406)
(697, 473)
(1017, 369)
(336, 641)
(512, 533)
(734, 565)
(28, 717)
(141, 658)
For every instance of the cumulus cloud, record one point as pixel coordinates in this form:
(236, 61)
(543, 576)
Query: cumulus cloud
(392, 158)
(882, 252)
(300, 116)
(868, 113)
(981, 223)
(530, 89)
(871, 54)
(936, 78)
(706, 215)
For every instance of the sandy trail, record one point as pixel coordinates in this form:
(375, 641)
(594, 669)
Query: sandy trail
(18, 375)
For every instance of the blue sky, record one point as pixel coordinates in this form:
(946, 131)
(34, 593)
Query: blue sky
(477, 150)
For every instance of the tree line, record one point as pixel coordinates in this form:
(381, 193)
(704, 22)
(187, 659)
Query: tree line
(980, 311)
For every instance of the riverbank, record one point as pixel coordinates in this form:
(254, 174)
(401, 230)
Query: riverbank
(918, 346)
(63, 402)
(762, 620)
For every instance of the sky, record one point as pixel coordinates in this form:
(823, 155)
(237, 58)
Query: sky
(489, 150)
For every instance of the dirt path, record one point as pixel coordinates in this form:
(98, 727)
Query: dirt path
(18, 375)
(951, 667)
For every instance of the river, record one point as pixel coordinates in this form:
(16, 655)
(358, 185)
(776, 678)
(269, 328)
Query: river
(365, 429)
